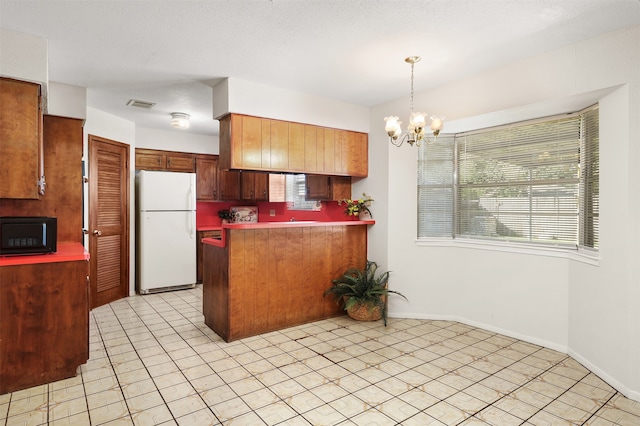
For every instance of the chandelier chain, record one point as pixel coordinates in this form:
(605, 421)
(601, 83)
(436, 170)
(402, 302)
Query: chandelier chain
(411, 105)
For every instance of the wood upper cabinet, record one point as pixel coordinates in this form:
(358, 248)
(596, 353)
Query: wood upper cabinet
(21, 145)
(63, 162)
(152, 159)
(147, 159)
(255, 186)
(261, 144)
(206, 177)
(181, 162)
(328, 188)
(213, 184)
(355, 151)
(228, 185)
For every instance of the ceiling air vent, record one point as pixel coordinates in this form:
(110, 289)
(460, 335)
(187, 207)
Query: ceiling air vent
(141, 104)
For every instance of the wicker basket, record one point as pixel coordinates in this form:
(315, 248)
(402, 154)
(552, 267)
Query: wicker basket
(361, 312)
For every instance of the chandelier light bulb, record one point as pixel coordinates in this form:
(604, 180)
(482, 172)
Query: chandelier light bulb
(418, 120)
(392, 126)
(436, 124)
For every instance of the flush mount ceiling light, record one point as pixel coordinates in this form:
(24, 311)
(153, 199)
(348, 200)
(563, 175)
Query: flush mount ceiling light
(417, 121)
(180, 120)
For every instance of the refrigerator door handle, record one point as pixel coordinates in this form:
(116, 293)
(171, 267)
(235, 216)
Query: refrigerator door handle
(192, 193)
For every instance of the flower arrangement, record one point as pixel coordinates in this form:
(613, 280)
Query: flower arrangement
(353, 207)
(225, 215)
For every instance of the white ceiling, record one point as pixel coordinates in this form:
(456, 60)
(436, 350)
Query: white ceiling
(173, 52)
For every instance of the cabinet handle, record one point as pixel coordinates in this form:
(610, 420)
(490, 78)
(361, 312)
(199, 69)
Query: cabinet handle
(42, 184)
(97, 233)
(169, 162)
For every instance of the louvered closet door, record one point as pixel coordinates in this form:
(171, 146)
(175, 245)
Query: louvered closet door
(108, 220)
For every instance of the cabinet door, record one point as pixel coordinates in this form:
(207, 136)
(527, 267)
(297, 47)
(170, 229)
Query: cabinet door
(329, 151)
(228, 186)
(178, 162)
(296, 147)
(206, 177)
(328, 188)
(320, 149)
(21, 146)
(340, 187)
(148, 159)
(255, 186)
(247, 186)
(355, 153)
(251, 142)
(311, 148)
(199, 250)
(279, 132)
(318, 187)
(261, 186)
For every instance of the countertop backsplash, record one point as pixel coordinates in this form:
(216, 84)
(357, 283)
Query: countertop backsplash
(207, 212)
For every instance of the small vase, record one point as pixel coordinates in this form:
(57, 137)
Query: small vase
(364, 215)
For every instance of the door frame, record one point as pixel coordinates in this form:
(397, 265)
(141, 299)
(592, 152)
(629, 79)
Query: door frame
(126, 226)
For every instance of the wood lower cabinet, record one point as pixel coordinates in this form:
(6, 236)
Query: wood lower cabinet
(21, 143)
(267, 279)
(203, 234)
(152, 159)
(44, 323)
(328, 188)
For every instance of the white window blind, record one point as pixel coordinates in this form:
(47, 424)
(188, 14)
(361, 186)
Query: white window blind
(295, 194)
(435, 188)
(590, 179)
(522, 183)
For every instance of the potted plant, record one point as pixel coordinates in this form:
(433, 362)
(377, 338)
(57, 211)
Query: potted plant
(225, 215)
(363, 292)
(357, 207)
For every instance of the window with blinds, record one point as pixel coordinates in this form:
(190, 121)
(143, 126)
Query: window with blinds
(532, 182)
(296, 192)
(435, 188)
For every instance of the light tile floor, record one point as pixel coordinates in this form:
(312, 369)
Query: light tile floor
(154, 361)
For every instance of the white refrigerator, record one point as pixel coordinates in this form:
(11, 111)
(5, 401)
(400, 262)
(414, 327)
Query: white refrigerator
(166, 231)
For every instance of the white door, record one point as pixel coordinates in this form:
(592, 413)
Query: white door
(163, 191)
(167, 254)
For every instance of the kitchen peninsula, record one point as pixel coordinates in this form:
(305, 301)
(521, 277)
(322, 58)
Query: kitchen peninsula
(267, 276)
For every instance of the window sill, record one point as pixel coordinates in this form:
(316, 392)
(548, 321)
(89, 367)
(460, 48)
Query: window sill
(582, 256)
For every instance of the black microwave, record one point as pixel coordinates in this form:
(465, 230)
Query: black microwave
(28, 235)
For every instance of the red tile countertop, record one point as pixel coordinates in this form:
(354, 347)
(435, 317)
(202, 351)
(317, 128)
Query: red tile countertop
(266, 225)
(67, 252)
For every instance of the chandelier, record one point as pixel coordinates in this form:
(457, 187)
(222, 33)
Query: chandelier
(417, 121)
